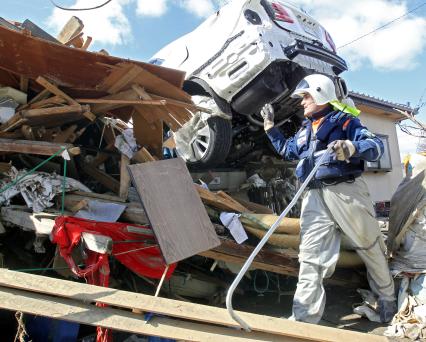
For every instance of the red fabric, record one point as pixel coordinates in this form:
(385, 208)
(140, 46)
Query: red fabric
(138, 255)
(147, 262)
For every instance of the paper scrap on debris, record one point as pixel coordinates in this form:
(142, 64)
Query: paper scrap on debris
(126, 143)
(232, 222)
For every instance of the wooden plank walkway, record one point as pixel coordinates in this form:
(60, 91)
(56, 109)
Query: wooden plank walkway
(74, 301)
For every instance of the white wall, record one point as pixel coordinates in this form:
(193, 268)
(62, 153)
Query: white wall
(382, 185)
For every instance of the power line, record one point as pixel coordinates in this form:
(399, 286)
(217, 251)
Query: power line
(80, 9)
(383, 26)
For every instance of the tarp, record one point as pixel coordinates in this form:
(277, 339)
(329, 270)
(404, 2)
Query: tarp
(133, 245)
(406, 204)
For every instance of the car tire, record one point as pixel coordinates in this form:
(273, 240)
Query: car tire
(212, 143)
(219, 143)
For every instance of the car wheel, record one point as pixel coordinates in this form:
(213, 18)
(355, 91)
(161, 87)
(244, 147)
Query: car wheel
(211, 143)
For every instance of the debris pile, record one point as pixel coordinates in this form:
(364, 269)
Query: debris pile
(77, 129)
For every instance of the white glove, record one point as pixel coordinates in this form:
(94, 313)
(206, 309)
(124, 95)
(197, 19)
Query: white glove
(344, 149)
(267, 113)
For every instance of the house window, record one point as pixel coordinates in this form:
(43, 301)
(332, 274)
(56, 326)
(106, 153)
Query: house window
(385, 162)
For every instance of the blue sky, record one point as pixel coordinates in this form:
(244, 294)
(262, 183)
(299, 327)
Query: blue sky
(390, 64)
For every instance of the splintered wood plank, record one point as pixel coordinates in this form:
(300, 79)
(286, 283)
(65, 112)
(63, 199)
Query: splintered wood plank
(124, 102)
(233, 201)
(177, 215)
(129, 95)
(148, 133)
(40, 96)
(220, 201)
(284, 262)
(42, 224)
(72, 28)
(134, 74)
(115, 319)
(76, 41)
(132, 71)
(55, 90)
(143, 156)
(162, 113)
(34, 147)
(174, 308)
(54, 100)
(31, 113)
(124, 177)
(87, 43)
(102, 177)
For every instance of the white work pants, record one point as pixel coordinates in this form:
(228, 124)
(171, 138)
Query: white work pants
(345, 208)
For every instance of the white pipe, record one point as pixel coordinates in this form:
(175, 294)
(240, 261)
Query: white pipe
(262, 242)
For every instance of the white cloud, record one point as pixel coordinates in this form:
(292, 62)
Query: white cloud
(153, 8)
(395, 47)
(201, 8)
(108, 25)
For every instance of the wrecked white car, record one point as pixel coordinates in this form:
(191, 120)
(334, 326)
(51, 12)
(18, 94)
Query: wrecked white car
(248, 53)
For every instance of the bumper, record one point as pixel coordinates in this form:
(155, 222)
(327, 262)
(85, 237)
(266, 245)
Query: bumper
(311, 50)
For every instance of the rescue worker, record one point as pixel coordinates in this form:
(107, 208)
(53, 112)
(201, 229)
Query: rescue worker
(337, 200)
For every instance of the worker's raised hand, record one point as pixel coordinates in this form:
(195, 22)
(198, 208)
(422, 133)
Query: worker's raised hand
(267, 113)
(344, 149)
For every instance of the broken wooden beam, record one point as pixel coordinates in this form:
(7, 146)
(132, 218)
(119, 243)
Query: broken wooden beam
(71, 29)
(76, 41)
(124, 177)
(124, 102)
(55, 90)
(35, 147)
(143, 156)
(221, 200)
(105, 179)
(285, 262)
(80, 205)
(40, 112)
(87, 43)
(40, 223)
(54, 100)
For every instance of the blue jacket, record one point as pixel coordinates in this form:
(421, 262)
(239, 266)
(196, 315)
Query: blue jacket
(307, 146)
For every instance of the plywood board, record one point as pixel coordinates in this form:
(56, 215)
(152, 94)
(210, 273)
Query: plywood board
(174, 209)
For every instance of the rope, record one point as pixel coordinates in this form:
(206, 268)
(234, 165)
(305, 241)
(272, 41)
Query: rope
(43, 269)
(21, 331)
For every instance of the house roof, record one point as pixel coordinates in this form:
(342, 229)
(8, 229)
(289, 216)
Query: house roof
(374, 105)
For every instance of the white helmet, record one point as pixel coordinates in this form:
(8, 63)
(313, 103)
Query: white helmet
(320, 87)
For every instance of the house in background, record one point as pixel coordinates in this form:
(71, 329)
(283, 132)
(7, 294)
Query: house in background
(381, 118)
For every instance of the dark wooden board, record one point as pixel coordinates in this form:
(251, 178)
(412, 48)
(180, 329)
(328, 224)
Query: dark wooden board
(177, 216)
